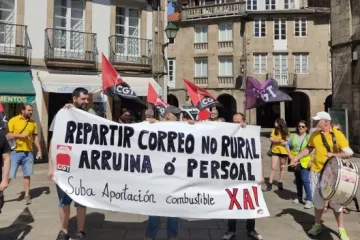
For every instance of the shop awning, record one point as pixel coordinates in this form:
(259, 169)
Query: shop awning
(66, 83)
(140, 85)
(16, 87)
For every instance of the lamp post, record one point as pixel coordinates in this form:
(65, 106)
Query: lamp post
(170, 31)
(244, 73)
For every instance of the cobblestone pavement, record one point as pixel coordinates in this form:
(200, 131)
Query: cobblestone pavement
(40, 221)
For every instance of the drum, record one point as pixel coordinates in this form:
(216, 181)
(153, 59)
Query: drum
(339, 181)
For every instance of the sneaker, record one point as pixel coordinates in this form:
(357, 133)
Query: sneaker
(255, 235)
(63, 236)
(309, 205)
(315, 230)
(79, 236)
(342, 234)
(268, 187)
(280, 186)
(27, 200)
(296, 201)
(228, 235)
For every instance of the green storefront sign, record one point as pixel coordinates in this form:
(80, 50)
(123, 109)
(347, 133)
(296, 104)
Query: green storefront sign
(16, 87)
(17, 99)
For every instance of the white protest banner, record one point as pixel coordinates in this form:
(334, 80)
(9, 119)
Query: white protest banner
(207, 170)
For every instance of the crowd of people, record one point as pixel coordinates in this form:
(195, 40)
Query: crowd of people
(304, 152)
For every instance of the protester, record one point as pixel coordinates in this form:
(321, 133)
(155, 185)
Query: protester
(325, 147)
(80, 97)
(172, 226)
(214, 114)
(150, 116)
(24, 131)
(297, 142)
(239, 118)
(4, 166)
(279, 137)
(125, 117)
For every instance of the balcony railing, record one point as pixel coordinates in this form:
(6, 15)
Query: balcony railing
(130, 50)
(61, 44)
(14, 40)
(284, 79)
(214, 11)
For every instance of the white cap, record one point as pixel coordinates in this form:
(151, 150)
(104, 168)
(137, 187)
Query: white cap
(322, 115)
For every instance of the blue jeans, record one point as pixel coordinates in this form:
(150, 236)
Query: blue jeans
(25, 159)
(172, 227)
(305, 178)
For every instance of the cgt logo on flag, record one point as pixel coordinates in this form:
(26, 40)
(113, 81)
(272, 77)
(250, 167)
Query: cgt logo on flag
(124, 90)
(206, 102)
(63, 158)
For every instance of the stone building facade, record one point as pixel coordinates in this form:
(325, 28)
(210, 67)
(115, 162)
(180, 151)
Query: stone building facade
(345, 46)
(50, 47)
(287, 41)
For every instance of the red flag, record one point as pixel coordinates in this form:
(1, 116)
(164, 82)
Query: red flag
(113, 85)
(162, 106)
(200, 98)
(1, 107)
(204, 115)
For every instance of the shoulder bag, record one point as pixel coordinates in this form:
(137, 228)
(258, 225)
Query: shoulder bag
(12, 142)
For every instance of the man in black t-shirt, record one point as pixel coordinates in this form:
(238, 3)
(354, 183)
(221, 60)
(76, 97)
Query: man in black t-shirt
(5, 162)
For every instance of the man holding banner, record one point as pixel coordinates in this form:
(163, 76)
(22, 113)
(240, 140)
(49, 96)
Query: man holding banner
(239, 118)
(172, 225)
(80, 101)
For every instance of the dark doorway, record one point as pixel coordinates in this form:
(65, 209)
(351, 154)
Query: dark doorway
(172, 100)
(228, 108)
(298, 109)
(328, 103)
(56, 102)
(267, 114)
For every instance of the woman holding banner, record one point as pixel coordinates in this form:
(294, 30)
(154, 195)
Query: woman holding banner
(279, 138)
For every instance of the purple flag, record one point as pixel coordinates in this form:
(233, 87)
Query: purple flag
(261, 93)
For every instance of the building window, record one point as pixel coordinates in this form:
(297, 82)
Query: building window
(279, 29)
(225, 66)
(301, 63)
(300, 27)
(225, 32)
(289, 4)
(7, 15)
(281, 68)
(260, 65)
(201, 34)
(270, 4)
(201, 67)
(259, 27)
(127, 32)
(172, 69)
(251, 4)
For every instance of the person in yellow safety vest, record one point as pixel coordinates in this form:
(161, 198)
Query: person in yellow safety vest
(296, 143)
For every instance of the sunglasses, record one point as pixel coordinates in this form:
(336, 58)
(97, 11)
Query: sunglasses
(301, 126)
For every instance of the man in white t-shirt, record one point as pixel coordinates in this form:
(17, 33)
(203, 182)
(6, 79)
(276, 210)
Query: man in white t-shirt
(80, 99)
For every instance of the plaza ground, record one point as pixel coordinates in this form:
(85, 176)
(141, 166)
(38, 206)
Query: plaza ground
(40, 221)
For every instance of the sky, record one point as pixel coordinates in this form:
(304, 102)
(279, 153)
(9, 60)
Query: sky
(170, 8)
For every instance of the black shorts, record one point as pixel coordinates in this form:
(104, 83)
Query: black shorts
(280, 155)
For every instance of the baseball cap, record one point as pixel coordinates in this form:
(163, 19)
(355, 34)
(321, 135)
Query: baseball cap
(172, 109)
(322, 115)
